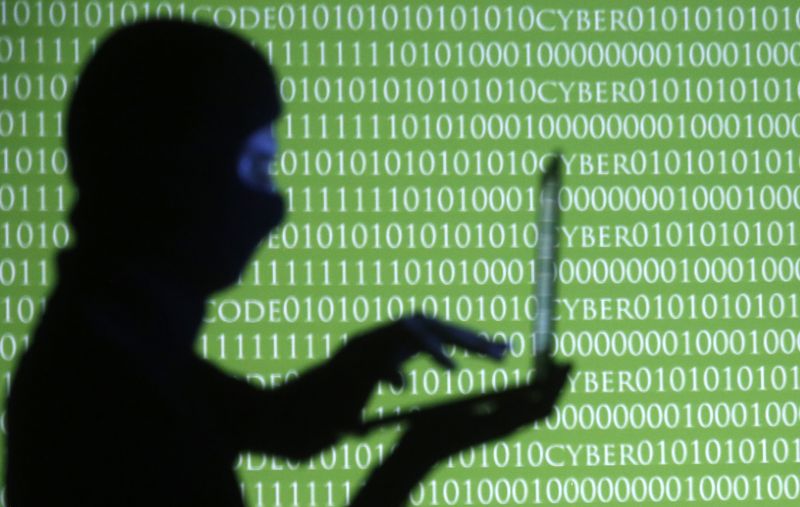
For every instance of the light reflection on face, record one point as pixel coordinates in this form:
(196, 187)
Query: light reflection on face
(256, 159)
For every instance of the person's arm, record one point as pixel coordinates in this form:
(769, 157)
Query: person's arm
(295, 421)
(310, 413)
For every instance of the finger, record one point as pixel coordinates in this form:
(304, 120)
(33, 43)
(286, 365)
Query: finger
(456, 335)
(557, 377)
(550, 388)
(428, 341)
(562, 373)
(559, 383)
(518, 411)
(468, 340)
(496, 423)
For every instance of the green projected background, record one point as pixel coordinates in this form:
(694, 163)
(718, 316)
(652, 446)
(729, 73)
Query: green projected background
(410, 151)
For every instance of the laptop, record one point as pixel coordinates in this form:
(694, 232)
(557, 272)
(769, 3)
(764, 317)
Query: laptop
(546, 256)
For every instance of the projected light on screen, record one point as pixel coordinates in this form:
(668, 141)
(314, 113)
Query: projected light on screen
(411, 146)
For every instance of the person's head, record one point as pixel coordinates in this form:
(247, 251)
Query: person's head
(170, 137)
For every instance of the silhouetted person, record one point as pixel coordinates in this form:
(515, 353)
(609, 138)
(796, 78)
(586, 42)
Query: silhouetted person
(169, 137)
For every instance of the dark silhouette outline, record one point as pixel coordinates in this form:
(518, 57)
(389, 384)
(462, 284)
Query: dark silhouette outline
(110, 406)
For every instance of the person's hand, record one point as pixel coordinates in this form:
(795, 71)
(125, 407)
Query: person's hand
(444, 433)
(339, 389)
(379, 353)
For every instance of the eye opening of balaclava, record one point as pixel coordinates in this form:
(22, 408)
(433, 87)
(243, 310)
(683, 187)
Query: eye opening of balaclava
(154, 128)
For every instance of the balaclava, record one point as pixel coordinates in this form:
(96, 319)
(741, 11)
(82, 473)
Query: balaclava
(155, 126)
